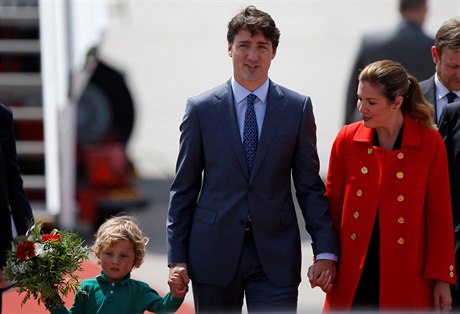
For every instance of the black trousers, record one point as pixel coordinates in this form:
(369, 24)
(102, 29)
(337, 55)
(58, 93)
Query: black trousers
(251, 283)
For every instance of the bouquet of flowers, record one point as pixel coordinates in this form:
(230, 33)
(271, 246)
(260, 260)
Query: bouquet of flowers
(43, 264)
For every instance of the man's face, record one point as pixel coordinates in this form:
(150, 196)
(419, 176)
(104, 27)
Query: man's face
(252, 56)
(448, 67)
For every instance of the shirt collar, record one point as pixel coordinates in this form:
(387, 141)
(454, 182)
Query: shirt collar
(441, 90)
(102, 277)
(240, 93)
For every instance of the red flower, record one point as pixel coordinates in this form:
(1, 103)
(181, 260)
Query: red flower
(51, 237)
(25, 250)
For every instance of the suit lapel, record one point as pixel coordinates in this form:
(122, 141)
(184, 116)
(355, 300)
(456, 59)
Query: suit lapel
(225, 109)
(276, 107)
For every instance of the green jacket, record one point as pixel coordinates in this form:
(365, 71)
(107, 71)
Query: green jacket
(101, 296)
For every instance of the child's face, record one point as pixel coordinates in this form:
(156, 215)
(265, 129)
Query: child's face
(117, 260)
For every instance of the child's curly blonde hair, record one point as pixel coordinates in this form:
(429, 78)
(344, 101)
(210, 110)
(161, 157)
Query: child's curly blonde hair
(121, 228)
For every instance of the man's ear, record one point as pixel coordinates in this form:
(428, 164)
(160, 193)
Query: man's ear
(435, 54)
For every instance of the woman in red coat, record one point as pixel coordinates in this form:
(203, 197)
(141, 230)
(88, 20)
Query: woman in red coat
(388, 189)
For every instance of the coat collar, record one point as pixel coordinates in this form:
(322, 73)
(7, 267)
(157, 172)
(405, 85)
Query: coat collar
(411, 133)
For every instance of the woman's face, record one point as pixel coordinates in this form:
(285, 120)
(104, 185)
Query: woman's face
(376, 110)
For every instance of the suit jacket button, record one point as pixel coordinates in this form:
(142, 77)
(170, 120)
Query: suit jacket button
(370, 151)
(359, 192)
(356, 214)
(451, 267)
(353, 236)
(401, 241)
(400, 155)
(364, 170)
(400, 175)
(401, 220)
(400, 198)
(451, 274)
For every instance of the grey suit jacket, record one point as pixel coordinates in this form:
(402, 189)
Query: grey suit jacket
(213, 193)
(428, 88)
(407, 44)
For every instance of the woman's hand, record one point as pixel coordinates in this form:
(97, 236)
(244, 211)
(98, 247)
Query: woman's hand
(442, 297)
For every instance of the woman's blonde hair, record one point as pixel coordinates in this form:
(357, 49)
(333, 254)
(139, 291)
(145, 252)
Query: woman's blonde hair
(121, 228)
(393, 81)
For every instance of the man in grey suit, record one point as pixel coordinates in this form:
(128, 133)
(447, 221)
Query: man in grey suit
(406, 44)
(443, 91)
(232, 224)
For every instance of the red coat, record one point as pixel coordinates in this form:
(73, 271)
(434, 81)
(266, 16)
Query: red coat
(410, 189)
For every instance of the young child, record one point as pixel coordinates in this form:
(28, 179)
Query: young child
(120, 247)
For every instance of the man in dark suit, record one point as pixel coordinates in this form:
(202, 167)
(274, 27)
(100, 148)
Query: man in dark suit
(14, 205)
(444, 86)
(449, 127)
(406, 44)
(442, 90)
(232, 223)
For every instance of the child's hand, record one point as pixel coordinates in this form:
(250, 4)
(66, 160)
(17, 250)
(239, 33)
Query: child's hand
(178, 288)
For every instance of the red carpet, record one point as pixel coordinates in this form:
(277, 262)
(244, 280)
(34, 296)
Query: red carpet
(12, 300)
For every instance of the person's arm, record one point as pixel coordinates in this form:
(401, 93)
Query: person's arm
(157, 304)
(185, 187)
(310, 195)
(19, 203)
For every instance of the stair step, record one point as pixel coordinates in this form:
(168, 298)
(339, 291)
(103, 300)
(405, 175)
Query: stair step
(20, 79)
(27, 113)
(34, 182)
(30, 148)
(20, 46)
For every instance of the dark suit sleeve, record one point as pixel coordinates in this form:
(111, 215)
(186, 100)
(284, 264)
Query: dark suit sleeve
(351, 98)
(185, 187)
(19, 203)
(14, 201)
(310, 188)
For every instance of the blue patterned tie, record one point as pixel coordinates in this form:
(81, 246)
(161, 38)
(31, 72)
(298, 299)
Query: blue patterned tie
(250, 133)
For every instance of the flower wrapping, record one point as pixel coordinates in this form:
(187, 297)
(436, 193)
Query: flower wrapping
(44, 265)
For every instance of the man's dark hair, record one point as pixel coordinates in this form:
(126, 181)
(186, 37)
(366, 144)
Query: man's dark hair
(254, 21)
(410, 5)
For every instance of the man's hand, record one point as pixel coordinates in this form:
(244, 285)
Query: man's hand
(322, 274)
(442, 297)
(178, 280)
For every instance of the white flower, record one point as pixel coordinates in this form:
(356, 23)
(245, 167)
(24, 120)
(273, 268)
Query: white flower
(40, 250)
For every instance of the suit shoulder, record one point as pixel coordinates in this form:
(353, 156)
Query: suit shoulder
(290, 94)
(214, 93)
(428, 83)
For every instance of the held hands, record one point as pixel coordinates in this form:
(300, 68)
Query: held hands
(178, 280)
(322, 274)
(442, 297)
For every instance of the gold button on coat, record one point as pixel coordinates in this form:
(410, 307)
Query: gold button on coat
(401, 240)
(370, 151)
(451, 267)
(353, 236)
(451, 274)
(364, 170)
(401, 220)
(356, 214)
(400, 156)
(400, 175)
(400, 198)
(359, 192)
